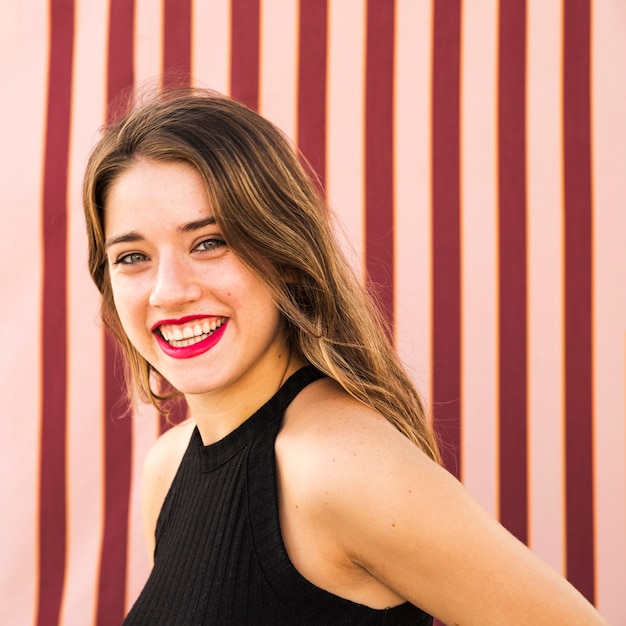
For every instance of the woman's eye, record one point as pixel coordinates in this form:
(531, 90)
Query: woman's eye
(208, 245)
(130, 259)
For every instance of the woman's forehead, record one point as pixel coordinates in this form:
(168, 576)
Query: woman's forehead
(171, 192)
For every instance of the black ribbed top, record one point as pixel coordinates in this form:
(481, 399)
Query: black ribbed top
(219, 556)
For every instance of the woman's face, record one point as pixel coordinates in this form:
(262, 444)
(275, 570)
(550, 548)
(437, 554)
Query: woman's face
(190, 307)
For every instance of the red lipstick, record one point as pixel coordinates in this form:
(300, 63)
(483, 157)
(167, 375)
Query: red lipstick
(195, 349)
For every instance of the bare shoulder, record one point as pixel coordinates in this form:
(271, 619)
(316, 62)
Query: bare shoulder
(328, 452)
(160, 467)
(167, 451)
(341, 458)
(325, 409)
(330, 435)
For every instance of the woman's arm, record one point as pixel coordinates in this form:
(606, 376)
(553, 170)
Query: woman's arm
(415, 528)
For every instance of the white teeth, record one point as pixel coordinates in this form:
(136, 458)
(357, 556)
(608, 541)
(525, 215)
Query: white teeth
(182, 336)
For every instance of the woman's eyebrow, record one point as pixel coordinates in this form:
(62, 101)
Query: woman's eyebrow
(191, 226)
(130, 237)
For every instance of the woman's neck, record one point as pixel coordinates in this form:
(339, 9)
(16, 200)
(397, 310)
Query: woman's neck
(219, 412)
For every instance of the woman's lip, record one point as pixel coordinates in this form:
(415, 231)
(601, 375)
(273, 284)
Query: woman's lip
(182, 320)
(195, 349)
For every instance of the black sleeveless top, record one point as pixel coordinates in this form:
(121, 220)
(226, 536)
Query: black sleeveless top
(219, 556)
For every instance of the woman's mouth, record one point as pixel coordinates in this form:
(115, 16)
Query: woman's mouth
(190, 338)
(183, 335)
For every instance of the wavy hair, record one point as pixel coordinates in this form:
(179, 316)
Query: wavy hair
(275, 220)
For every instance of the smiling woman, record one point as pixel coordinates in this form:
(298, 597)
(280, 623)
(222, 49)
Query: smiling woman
(305, 488)
(188, 305)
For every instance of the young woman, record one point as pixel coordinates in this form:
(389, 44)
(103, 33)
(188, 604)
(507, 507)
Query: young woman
(305, 487)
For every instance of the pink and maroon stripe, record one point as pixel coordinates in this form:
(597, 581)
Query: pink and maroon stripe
(578, 296)
(512, 267)
(53, 494)
(312, 85)
(446, 254)
(245, 41)
(117, 428)
(379, 72)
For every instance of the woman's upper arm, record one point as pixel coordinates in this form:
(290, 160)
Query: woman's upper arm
(415, 528)
(160, 467)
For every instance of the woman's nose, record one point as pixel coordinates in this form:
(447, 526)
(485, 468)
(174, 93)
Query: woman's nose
(175, 285)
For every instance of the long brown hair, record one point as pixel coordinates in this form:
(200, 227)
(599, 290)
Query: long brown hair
(275, 221)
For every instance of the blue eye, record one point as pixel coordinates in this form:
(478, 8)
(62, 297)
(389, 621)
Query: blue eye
(208, 245)
(130, 259)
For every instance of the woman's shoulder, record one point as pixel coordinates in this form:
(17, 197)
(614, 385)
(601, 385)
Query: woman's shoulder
(330, 438)
(344, 474)
(324, 413)
(325, 410)
(167, 451)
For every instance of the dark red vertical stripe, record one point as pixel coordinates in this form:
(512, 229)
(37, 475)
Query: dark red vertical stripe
(379, 152)
(52, 496)
(177, 42)
(244, 75)
(512, 265)
(312, 85)
(117, 427)
(120, 52)
(578, 296)
(446, 379)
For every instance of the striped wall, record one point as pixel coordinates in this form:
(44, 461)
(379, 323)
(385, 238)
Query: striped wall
(475, 156)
